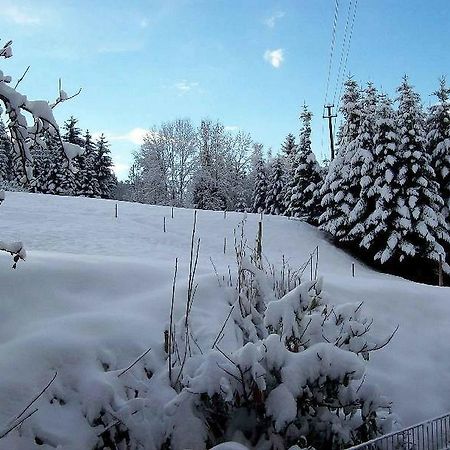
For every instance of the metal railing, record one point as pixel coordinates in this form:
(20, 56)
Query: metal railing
(433, 434)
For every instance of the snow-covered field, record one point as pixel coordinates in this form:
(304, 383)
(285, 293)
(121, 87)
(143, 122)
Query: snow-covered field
(95, 290)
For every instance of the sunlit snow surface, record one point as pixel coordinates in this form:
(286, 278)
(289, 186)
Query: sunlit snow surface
(96, 290)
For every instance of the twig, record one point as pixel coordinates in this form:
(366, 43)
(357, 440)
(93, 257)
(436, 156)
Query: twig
(17, 424)
(171, 333)
(36, 397)
(60, 100)
(134, 363)
(22, 77)
(223, 326)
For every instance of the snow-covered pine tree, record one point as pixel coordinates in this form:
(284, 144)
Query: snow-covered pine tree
(57, 177)
(337, 199)
(260, 186)
(288, 153)
(386, 185)
(72, 132)
(5, 154)
(103, 167)
(86, 181)
(362, 173)
(275, 187)
(303, 192)
(289, 147)
(438, 142)
(412, 226)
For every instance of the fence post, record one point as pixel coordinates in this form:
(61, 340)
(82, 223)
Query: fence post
(117, 211)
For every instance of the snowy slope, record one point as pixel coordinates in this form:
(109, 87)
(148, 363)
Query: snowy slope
(96, 290)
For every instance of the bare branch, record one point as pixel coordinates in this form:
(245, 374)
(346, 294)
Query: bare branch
(36, 397)
(134, 363)
(22, 77)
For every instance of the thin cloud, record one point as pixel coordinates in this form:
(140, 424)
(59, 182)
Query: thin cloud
(121, 170)
(231, 128)
(185, 86)
(134, 136)
(274, 57)
(20, 16)
(272, 20)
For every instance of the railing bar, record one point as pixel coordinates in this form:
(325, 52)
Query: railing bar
(432, 434)
(423, 437)
(446, 431)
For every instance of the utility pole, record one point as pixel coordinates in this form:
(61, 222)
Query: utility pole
(330, 116)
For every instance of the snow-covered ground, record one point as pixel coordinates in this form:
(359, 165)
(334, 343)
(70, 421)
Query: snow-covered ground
(95, 290)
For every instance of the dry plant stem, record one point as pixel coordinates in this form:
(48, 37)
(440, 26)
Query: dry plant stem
(193, 261)
(223, 327)
(134, 363)
(216, 272)
(36, 397)
(171, 331)
(17, 424)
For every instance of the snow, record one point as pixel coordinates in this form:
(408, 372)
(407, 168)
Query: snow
(94, 294)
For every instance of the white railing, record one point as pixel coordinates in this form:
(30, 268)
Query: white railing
(433, 434)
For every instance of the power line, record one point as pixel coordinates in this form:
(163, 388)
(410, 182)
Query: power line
(344, 41)
(333, 42)
(349, 43)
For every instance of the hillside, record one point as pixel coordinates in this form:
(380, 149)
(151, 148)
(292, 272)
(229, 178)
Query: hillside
(96, 288)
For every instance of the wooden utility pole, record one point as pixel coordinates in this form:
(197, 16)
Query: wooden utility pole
(330, 116)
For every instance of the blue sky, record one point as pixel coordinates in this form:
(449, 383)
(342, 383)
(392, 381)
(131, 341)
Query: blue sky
(249, 63)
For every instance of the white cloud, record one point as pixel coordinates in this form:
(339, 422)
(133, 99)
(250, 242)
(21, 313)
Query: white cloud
(271, 21)
(231, 127)
(135, 136)
(18, 15)
(121, 170)
(185, 86)
(274, 57)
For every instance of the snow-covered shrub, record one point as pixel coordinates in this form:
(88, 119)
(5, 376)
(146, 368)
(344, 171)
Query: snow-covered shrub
(298, 375)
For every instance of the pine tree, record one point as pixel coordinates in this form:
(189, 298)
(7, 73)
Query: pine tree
(362, 173)
(412, 225)
(44, 154)
(289, 147)
(275, 187)
(337, 198)
(72, 132)
(260, 187)
(289, 152)
(59, 179)
(6, 154)
(438, 143)
(385, 185)
(86, 178)
(302, 198)
(103, 168)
